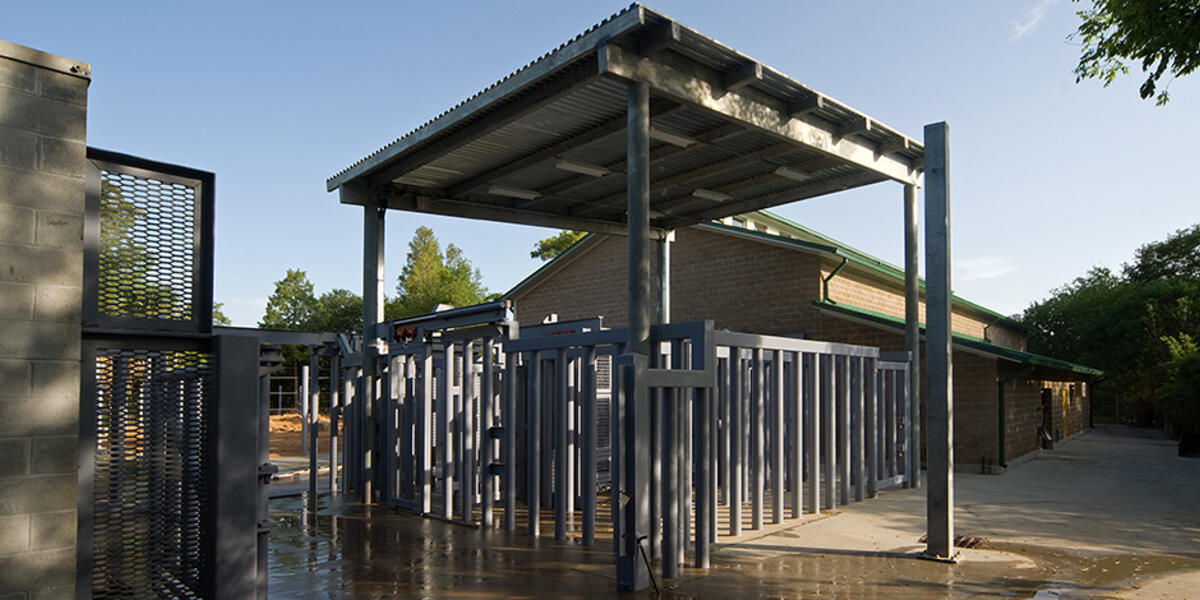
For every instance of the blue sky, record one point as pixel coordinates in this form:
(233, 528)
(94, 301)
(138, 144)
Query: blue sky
(1048, 178)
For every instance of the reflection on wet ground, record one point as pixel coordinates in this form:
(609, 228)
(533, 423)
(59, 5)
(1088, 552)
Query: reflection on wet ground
(348, 551)
(1033, 547)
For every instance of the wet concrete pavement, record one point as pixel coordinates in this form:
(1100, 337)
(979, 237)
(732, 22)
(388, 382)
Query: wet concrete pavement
(1113, 514)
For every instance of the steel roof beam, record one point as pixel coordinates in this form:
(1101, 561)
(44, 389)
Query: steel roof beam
(403, 200)
(694, 84)
(746, 205)
(742, 76)
(501, 117)
(658, 39)
(606, 129)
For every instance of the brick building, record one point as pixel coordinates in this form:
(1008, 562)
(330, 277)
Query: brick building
(761, 273)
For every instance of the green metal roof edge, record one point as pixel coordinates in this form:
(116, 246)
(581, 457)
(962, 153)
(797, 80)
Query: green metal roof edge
(542, 269)
(880, 265)
(965, 340)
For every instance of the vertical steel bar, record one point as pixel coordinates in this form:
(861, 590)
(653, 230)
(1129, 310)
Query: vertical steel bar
(797, 435)
(857, 448)
(871, 379)
(723, 431)
(890, 420)
(777, 441)
(670, 485)
(736, 460)
(335, 413)
(423, 432)
(701, 439)
(843, 401)
(912, 333)
(534, 413)
(508, 454)
(812, 431)
(408, 411)
(387, 437)
(829, 430)
(588, 468)
(487, 396)
(757, 431)
(940, 385)
(561, 456)
(470, 471)
(445, 438)
(314, 421)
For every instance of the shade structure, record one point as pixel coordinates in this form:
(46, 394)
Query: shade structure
(546, 145)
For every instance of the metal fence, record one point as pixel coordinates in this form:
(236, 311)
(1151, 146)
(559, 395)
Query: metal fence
(748, 427)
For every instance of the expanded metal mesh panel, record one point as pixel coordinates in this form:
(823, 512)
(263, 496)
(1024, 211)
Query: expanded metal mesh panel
(148, 492)
(147, 247)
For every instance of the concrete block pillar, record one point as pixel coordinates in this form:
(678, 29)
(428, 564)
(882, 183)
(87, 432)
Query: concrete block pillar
(43, 121)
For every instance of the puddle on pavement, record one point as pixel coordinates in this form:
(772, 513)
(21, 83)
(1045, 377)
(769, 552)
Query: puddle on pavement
(345, 551)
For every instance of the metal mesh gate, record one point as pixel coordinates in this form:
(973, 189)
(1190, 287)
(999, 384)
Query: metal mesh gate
(150, 472)
(165, 404)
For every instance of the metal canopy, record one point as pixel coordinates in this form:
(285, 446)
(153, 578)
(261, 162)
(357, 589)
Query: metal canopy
(546, 145)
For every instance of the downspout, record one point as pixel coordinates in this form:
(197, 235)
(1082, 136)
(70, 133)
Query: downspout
(1018, 375)
(825, 281)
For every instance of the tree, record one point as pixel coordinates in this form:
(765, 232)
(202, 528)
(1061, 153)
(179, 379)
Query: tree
(339, 311)
(1176, 256)
(1162, 35)
(218, 316)
(292, 305)
(551, 247)
(430, 278)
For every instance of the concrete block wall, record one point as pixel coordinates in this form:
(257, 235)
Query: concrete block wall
(43, 120)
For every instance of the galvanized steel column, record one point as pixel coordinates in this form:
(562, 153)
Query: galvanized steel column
(939, 370)
(912, 332)
(445, 438)
(335, 409)
(829, 430)
(632, 573)
(797, 426)
(701, 439)
(561, 472)
(757, 429)
(843, 428)
(733, 492)
(508, 449)
(372, 314)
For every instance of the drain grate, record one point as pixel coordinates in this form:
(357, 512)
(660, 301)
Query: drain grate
(961, 541)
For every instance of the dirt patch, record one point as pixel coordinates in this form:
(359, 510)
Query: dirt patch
(285, 435)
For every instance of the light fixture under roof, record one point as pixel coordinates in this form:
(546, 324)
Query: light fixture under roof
(671, 138)
(792, 173)
(511, 192)
(713, 195)
(581, 168)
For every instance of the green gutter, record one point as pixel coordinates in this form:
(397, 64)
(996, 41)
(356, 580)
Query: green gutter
(873, 263)
(964, 341)
(826, 280)
(1001, 459)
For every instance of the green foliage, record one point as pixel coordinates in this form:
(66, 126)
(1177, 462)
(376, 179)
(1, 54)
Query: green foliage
(218, 316)
(292, 305)
(1120, 324)
(431, 277)
(1173, 257)
(551, 247)
(125, 286)
(1179, 397)
(339, 311)
(1162, 35)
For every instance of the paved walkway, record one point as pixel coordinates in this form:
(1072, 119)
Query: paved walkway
(1113, 514)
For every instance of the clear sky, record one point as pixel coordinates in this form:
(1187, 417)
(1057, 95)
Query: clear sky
(1048, 178)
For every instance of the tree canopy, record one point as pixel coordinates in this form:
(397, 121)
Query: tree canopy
(551, 247)
(431, 277)
(1163, 36)
(1137, 327)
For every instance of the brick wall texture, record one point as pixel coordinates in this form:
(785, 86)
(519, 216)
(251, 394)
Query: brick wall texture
(747, 285)
(43, 111)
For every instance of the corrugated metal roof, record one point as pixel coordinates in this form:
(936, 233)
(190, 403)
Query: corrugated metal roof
(570, 104)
